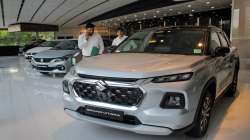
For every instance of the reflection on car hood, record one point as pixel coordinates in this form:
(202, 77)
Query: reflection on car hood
(137, 65)
(38, 49)
(55, 53)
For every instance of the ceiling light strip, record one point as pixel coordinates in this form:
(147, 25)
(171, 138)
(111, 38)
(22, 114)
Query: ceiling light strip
(40, 6)
(80, 4)
(20, 10)
(84, 12)
(2, 9)
(57, 7)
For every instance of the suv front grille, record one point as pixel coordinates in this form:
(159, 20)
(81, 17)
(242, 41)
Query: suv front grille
(43, 60)
(125, 96)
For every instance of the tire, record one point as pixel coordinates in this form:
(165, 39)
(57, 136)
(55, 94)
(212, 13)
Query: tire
(233, 86)
(202, 122)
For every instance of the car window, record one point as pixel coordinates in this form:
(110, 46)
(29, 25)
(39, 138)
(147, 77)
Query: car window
(67, 45)
(214, 42)
(224, 42)
(49, 44)
(134, 43)
(166, 41)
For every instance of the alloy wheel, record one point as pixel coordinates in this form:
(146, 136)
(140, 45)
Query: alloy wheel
(205, 112)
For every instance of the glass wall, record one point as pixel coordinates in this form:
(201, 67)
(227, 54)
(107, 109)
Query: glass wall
(22, 38)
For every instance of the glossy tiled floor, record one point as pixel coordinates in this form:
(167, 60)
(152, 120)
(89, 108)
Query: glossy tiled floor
(31, 108)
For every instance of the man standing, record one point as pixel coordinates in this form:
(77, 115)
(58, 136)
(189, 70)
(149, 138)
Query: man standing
(120, 37)
(90, 42)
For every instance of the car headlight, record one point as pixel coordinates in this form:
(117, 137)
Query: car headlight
(73, 72)
(58, 60)
(173, 78)
(65, 85)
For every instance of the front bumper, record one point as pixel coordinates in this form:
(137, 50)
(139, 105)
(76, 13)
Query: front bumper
(61, 67)
(154, 119)
(140, 129)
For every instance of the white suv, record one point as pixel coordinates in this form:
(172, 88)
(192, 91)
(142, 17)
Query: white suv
(159, 81)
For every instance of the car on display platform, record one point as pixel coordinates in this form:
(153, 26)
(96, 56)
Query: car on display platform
(40, 48)
(32, 44)
(159, 81)
(57, 60)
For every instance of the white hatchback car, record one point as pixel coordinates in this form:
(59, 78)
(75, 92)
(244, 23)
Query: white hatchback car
(42, 47)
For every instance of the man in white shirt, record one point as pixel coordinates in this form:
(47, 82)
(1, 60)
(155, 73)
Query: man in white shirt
(90, 42)
(120, 37)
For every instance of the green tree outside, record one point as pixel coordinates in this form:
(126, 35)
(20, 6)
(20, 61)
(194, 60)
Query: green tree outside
(22, 38)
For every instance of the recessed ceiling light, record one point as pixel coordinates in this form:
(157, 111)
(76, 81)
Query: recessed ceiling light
(135, 15)
(208, 2)
(155, 16)
(157, 11)
(189, 6)
(170, 9)
(212, 7)
(193, 10)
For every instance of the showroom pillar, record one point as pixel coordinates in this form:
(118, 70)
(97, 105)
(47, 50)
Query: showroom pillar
(240, 28)
(241, 19)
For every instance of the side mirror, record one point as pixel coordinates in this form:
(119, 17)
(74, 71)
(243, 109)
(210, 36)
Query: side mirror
(221, 51)
(110, 49)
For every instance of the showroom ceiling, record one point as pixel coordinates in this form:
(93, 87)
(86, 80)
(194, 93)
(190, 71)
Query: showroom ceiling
(178, 9)
(71, 13)
(59, 12)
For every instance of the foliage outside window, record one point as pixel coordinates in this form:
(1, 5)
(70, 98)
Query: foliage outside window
(22, 38)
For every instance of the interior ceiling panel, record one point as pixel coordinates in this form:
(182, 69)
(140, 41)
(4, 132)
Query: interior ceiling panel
(71, 13)
(64, 9)
(29, 8)
(45, 10)
(11, 13)
(80, 8)
(102, 8)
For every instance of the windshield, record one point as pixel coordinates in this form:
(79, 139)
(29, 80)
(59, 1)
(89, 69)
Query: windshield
(166, 41)
(67, 45)
(49, 44)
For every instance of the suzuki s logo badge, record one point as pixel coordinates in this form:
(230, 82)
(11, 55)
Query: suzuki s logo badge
(101, 85)
(42, 60)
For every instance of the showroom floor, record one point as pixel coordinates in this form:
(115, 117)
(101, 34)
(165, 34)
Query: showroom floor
(31, 108)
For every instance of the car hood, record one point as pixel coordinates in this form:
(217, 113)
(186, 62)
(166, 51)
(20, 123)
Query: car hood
(138, 65)
(38, 49)
(55, 53)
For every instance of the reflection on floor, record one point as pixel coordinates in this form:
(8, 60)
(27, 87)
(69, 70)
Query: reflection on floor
(31, 108)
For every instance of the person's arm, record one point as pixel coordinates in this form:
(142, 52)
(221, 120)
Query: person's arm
(82, 42)
(114, 42)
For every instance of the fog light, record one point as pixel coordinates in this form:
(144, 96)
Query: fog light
(173, 101)
(61, 67)
(65, 85)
